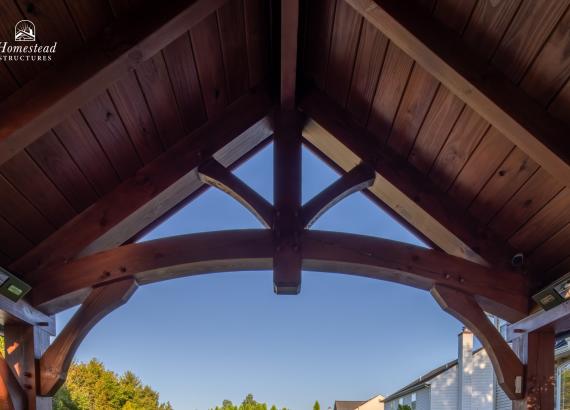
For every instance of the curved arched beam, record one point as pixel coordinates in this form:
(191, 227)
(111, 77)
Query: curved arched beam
(215, 174)
(56, 360)
(12, 395)
(358, 178)
(499, 292)
(508, 368)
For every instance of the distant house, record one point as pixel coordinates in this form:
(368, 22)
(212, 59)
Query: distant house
(375, 403)
(466, 383)
(469, 383)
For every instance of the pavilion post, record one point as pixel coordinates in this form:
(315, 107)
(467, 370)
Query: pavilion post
(24, 346)
(536, 351)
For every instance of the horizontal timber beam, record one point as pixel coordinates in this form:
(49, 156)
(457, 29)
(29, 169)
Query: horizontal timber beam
(45, 101)
(215, 174)
(55, 361)
(156, 188)
(508, 368)
(484, 89)
(502, 293)
(22, 312)
(359, 178)
(557, 319)
(400, 186)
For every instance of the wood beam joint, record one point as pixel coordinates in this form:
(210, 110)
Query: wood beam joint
(508, 368)
(215, 174)
(360, 177)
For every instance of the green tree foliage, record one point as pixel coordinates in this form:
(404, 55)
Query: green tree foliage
(316, 406)
(90, 386)
(404, 407)
(249, 403)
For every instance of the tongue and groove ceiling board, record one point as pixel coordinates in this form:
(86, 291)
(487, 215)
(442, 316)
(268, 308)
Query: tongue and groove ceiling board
(191, 81)
(414, 115)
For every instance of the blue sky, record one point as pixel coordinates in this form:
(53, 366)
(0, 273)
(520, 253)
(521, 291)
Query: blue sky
(201, 340)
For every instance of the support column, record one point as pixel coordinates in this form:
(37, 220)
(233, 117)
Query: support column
(287, 198)
(536, 351)
(25, 345)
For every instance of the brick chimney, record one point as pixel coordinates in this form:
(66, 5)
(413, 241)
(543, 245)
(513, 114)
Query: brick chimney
(464, 369)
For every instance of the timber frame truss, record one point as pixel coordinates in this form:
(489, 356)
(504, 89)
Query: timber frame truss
(91, 262)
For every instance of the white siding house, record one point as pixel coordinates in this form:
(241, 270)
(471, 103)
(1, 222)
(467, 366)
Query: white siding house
(465, 384)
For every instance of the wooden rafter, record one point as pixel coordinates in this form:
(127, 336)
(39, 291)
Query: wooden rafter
(359, 178)
(42, 103)
(23, 312)
(155, 188)
(56, 360)
(484, 89)
(215, 174)
(399, 185)
(289, 34)
(464, 307)
(500, 292)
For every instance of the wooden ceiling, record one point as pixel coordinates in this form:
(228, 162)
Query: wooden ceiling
(170, 97)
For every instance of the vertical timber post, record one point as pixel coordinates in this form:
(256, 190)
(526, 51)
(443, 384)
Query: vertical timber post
(24, 346)
(536, 351)
(287, 196)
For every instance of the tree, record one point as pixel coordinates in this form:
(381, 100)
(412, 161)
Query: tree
(91, 386)
(316, 406)
(404, 407)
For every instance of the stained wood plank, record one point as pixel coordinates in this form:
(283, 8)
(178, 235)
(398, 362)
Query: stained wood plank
(551, 69)
(7, 83)
(344, 44)
(209, 61)
(156, 188)
(369, 60)
(559, 107)
(90, 16)
(123, 7)
(61, 89)
(12, 242)
(105, 122)
(415, 103)
(496, 99)
(87, 153)
(553, 251)
(530, 28)
(534, 194)
(54, 23)
(184, 77)
(156, 86)
(21, 214)
(132, 108)
(454, 14)
(25, 174)
(231, 23)
(505, 182)
(439, 121)
(486, 158)
(488, 23)
(462, 141)
(546, 222)
(391, 85)
(318, 39)
(256, 14)
(54, 160)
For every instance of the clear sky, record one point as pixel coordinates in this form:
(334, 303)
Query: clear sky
(201, 340)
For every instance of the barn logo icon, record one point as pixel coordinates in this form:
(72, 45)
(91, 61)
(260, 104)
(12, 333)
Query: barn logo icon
(25, 30)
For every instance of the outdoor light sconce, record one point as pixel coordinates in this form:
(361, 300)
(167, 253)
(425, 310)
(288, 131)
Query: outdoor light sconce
(11, 286)
(554, 294)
